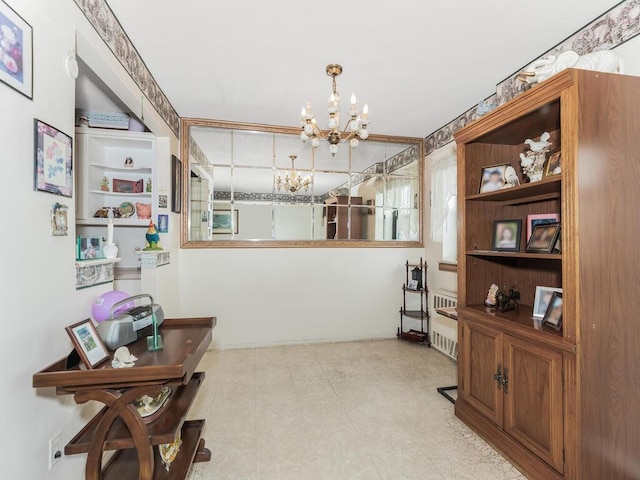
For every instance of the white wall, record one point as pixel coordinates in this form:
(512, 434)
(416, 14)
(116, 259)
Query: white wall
(37, 295)
(280, 296)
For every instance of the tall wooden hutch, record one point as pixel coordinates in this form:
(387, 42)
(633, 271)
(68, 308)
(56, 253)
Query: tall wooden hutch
(558, 405)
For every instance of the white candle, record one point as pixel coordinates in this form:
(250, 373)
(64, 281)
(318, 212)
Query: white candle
(110, 232)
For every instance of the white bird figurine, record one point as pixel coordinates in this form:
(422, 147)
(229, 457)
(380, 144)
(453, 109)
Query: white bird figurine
(539, 145)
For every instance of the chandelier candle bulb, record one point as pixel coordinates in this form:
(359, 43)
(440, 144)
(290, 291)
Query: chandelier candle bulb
(353, 101)
(365, 113)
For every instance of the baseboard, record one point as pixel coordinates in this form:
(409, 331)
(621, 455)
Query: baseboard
(285, 343)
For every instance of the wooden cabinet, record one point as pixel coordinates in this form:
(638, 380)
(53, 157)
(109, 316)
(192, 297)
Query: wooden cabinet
(343, 222)
(559, 405)
(101, 157)
(516, 385)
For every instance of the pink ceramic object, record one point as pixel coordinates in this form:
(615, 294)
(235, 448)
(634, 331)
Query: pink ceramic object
(143, 210)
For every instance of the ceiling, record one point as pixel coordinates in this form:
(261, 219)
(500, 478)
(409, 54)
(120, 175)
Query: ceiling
(418, 64)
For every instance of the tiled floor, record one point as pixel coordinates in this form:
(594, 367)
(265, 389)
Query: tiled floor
(361, 410)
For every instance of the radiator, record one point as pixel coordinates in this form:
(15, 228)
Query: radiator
(444, 330)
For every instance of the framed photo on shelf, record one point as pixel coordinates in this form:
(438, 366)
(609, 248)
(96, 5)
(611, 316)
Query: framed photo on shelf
(412, 285)
(540, 219)
(225, 222)
(542, 299)
(543, 238)
(127, 186)
(554, 165)
(176, 184)
(16, 51)
(553, 315)
(506, 235)
(88, 343)
(89, 248)
(492, 178)
(53, 160)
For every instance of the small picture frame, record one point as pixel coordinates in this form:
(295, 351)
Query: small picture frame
(163, 223)
(542, 299)
(53, 160)
(88, 343)
(553, 315)
(412, 285)
(492, 178)
(554, 165)
(224, 222)
(89, 248)
(162, 201)
(540, 219)
(543, 238)
(59, 220)
(16, 51)
(128, 186)
(506, 235)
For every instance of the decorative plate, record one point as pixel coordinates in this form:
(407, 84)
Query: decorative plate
(127, 209)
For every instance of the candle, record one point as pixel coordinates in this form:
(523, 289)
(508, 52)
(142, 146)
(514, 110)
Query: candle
(110, 232)
(365, 112)
(353, 102)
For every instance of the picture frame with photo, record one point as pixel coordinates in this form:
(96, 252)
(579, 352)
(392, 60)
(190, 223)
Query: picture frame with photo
(543, 238)
(542, 299)
(224, 222)
(88, 344)
(506, 235)
(412, 285)
(163, 223)
(553, 315)
(16, 51)
(162, 201)
(89, 248)
(554, 165)
(492, 178)
(53, 160)
(540, 219)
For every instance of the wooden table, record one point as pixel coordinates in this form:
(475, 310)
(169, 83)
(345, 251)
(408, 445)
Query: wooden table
(119, 426)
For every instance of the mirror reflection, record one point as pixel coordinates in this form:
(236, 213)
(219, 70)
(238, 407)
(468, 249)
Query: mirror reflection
(250, 183)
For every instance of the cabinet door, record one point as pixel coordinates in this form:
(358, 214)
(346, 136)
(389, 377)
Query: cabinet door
(481, 355)
(533, 400)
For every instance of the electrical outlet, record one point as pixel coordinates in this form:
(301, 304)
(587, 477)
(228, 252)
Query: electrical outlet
(55, 449)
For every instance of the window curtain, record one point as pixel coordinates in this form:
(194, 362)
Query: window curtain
(444, 185)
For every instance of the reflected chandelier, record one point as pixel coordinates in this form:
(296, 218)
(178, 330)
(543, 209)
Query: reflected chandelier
(293, 181)
(355, 129)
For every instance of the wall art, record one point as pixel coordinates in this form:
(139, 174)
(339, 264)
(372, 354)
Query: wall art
(16, 51)
(53, 160)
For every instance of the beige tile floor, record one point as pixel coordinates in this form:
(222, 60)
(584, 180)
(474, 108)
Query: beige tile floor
(360, 410)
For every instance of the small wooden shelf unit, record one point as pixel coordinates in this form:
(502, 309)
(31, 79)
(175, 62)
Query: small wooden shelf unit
(118, 426)
(559, 405)
(422, 314)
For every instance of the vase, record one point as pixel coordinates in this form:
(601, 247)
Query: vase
(110, 251)
(143, 210)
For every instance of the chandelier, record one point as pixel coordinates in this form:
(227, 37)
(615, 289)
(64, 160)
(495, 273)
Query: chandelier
(355, 129)
(293, 182)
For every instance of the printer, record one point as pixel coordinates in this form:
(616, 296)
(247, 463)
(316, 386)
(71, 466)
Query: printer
(126, 326)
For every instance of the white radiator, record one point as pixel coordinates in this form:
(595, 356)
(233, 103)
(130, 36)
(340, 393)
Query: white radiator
(444, 330)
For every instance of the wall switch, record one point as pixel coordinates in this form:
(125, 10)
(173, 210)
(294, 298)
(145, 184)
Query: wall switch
(55, 449)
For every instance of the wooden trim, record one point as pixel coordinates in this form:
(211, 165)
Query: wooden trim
(186, 123)
(448, 266)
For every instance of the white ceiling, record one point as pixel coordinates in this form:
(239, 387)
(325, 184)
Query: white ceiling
(418, 64)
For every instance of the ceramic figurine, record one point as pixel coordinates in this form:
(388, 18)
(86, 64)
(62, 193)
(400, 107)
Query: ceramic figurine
(601, 61)
(148, 188)
(506, 301)
(104, 185)
(491, 296)
(122, 358)
(153, 237)
(532, 161)
(128, 162)
(510, 177)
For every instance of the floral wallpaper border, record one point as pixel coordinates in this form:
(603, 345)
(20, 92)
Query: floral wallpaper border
(108, 27)
(613, 28)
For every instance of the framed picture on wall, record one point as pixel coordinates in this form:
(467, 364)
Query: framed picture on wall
(53, 160)
(16, 51)
(224, 222)
(176, 184)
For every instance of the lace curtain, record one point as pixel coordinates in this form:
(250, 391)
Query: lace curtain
(443, 186)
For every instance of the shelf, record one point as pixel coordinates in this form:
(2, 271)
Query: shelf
(121, 169)
(118, 222)
(414, 336)
(417, 314)
(411, 290)
(493, 253)
(120, 194)
(124, 464)
(518, 322)
(161, 430)
(548, 188)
